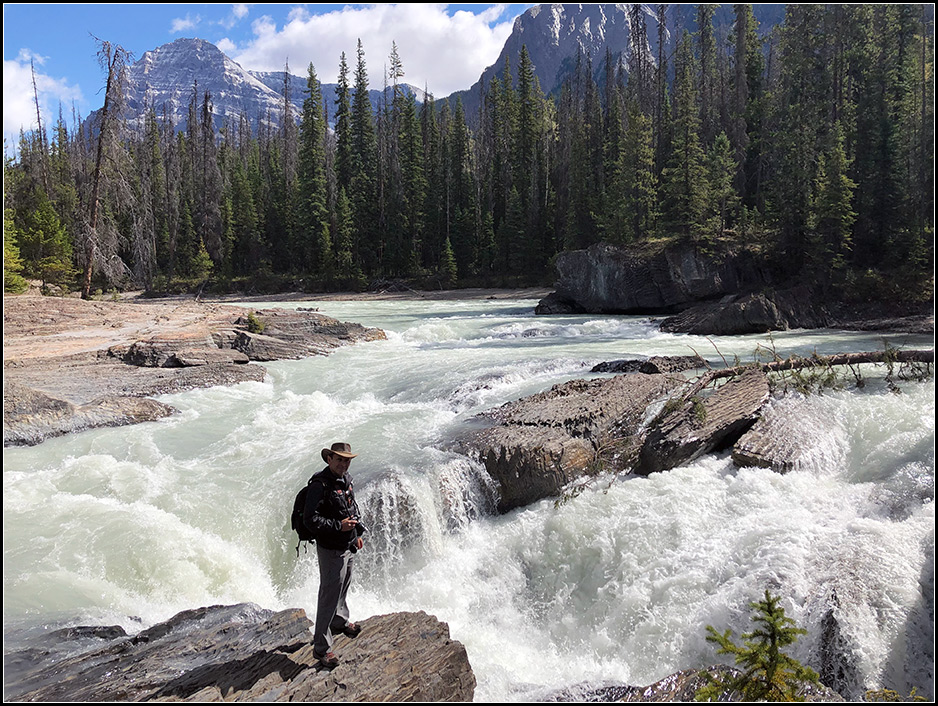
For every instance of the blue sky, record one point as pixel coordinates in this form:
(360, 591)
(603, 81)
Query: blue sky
(442, 46)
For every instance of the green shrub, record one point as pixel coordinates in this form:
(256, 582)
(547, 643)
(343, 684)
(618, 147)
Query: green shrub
(254, 324)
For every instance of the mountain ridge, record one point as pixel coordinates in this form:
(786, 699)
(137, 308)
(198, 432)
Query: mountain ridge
(554, 35)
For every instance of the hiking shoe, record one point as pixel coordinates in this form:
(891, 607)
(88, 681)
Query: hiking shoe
(328, 660)
(351, 629)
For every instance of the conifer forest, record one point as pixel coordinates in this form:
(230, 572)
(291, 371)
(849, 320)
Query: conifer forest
(812, 145)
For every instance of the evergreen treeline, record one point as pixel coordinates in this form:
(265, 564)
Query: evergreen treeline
(814, 145)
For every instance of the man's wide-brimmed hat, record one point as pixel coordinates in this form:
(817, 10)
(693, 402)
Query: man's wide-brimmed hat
(339, 449)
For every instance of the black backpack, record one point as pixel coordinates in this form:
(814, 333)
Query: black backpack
(296, 519)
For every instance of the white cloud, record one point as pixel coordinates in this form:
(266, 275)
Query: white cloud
(443, 52)
(185, 24)
(19, 107)
(238, 12)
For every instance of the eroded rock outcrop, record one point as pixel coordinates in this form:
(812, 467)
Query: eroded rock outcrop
(535, 446)
(704, 424)
(30, 417)
(680, 687)
(245, 653)
(618, 280)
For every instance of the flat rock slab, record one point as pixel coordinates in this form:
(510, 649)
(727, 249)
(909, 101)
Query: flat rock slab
(246, 653)
(87, 358)
(30, 417)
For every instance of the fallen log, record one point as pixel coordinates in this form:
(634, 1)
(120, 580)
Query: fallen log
(889, 356)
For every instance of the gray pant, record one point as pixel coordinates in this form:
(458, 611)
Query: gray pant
(335, 575)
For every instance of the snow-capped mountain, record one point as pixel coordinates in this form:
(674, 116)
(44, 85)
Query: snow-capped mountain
(165, 79)
(553, 35)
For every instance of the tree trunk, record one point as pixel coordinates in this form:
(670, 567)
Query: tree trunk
(113, 59)
(794, 363)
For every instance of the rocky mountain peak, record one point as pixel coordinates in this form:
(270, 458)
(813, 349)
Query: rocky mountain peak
(165, 79)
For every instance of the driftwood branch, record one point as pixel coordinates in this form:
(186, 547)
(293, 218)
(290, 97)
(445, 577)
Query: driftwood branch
(816, 361)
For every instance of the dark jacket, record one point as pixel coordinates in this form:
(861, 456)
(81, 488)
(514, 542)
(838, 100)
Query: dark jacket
(329, 500)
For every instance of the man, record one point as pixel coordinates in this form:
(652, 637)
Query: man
(332, 513)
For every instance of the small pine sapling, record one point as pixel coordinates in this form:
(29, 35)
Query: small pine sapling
(768, 673)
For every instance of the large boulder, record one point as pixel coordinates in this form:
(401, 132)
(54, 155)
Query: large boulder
(609, 279)
(792, 435)
(738, 314)
(244, 653)
(535, 446)
(704, 424)
(652, 364)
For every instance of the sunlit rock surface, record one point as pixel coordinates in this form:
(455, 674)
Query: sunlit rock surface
(243, 653)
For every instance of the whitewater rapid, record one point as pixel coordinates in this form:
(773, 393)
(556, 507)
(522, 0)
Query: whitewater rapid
(615, 583)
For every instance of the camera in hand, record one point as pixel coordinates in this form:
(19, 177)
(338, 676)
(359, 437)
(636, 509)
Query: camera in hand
(359, 530)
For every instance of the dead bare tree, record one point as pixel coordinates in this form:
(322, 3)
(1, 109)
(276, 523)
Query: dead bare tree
(99, 247)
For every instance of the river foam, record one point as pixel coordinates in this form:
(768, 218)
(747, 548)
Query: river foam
(615, 582)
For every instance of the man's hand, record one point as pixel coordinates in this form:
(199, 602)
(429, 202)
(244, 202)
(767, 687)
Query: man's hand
(348, 524)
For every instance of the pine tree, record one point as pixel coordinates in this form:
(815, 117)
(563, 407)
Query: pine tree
(100, 240)
(414, 183)
(708, 82)
(244, 234)
(768, 673)
(800, 118)
(448, 267)
(722, 199)
(368, 246)
(343, 127)
(348, 273)
(208, 182)
(13, 280)
(832, 215)
(747, 100)
(632, 192)
(314, 244)
(683, 183)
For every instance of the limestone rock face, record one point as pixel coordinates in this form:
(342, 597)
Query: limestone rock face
(246, 653)
(535, 446)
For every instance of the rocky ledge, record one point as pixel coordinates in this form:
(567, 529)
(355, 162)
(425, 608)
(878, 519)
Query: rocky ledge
(644, 422)
(726, 293)
(246, 653)
(71, 365)
(535, 446)
(242, 653)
